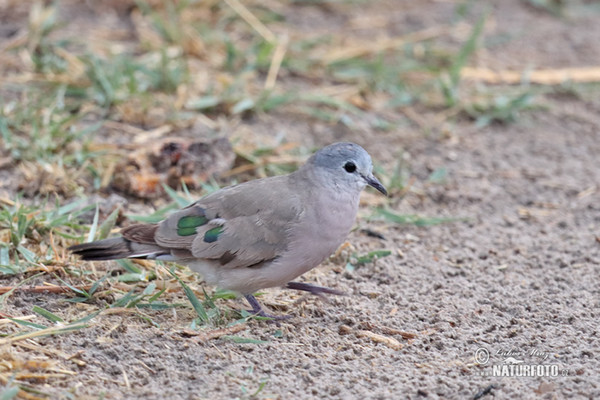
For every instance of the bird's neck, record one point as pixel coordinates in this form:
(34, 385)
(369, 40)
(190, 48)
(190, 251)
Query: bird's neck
(328, 189)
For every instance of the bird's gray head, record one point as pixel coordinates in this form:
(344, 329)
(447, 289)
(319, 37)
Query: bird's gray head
(346, 164)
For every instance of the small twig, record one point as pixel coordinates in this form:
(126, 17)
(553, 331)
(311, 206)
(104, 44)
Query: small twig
(122, 127)
(120, 310)
(346, 52)
(6, 201)
(424, 123)
(388, 331)
(587, 192)
(202, 337)
(108, 174)
(276, 61)
(147, 367)
(252, 20)
(42, 332)
(8, 321)
(53, 247)
(125, 379)
(52, 352)
(392, 331)
(375, 337)
(342, 247)
(41, 376)
(152, 135)
(540, 76)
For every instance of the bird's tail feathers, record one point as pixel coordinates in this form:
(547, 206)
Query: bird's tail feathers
(117, 248)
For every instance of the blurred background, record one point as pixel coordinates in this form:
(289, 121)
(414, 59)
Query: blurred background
(482, 118)
(91, 89)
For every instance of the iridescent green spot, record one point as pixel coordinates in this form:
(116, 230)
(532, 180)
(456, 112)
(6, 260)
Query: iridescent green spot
(212, 235)
(186, 226)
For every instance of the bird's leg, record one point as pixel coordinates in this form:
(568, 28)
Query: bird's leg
(314, 289)
(258, 310)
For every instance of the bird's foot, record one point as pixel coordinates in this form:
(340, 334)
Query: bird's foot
(314, 289)
(258, 310)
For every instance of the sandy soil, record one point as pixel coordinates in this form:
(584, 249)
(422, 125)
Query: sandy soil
(519, 277)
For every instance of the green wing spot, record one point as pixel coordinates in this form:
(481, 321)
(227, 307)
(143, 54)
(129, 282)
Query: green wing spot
(192, 221)
(212, 235)
(186, 231)
(186, 226)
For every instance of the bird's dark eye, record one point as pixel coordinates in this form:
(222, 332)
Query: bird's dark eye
(350, 167)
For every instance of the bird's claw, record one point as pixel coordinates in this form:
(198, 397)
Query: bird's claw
(258, 311)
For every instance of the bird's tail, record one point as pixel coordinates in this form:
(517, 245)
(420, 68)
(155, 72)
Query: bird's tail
(116, 248)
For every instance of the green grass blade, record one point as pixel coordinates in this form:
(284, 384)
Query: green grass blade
(87, 317)
(180, 200)
(27, 254)
(96, 285)
(412, 219)
(155, 296)
(149, 289)
(4, 256)
(108, 224)
(129, 266)
(466, 50)
(155, 217)
(438, 176)
(239, 339)
(208, 300)
(47, 314)
(370, 256)
(26, 323)
(125, 300)
(74, 289)
(134, 277)
(94, 226)
(70, 207)
(9, 393)
(202, 103)
(197, 304)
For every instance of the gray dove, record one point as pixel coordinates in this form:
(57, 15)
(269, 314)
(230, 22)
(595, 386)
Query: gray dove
(258, 234)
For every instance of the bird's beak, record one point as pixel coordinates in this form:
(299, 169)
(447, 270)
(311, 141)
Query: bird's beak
(373, 182)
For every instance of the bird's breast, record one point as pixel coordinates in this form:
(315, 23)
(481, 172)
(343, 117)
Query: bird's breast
(333, 219)
(323, 228)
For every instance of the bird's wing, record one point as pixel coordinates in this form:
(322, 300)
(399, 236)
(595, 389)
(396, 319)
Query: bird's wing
(240, 226)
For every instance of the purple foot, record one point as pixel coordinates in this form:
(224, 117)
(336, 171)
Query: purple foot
(316, 290)
(258, 310)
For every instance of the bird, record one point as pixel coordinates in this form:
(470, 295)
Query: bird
(258, 234)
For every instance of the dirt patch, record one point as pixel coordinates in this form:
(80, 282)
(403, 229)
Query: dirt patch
(518, 277)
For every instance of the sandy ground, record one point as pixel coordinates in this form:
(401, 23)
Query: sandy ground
(519, 277)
